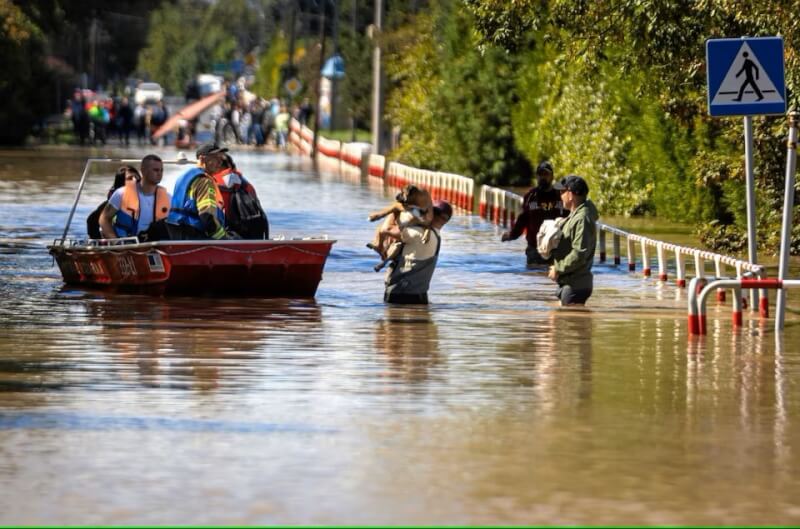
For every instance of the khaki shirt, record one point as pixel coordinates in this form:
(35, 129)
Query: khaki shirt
(414, 249)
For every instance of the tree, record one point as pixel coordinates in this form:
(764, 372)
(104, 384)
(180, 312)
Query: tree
(452, 100)
(25, 82)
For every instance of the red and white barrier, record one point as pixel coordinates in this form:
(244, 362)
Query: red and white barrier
(700, 290)
(376, 165)
(499, 206)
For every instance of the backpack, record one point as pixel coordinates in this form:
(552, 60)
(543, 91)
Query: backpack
(245, 215)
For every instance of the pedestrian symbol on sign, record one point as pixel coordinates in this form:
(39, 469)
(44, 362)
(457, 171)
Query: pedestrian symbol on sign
(747, 69)
(746, 81)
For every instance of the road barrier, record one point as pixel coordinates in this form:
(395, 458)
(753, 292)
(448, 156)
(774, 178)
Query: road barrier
(700, 288)
(502, 207)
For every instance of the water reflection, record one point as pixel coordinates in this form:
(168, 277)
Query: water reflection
(186, 343)
(408, 339)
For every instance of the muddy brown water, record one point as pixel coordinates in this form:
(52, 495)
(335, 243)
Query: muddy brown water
(490, 406)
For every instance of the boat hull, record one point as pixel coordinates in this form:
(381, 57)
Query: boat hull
(291, 268)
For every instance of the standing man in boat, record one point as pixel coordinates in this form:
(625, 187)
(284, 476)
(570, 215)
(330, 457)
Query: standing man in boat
(197, 210)
(409, 279)
(135, 206)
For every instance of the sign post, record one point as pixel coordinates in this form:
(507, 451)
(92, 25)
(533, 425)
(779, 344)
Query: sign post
(786, 230)
(746, 78)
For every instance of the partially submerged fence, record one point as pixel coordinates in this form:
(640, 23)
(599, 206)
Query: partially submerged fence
(502, 207)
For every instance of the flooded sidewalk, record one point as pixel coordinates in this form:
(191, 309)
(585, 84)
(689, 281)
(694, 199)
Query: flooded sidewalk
(490, 406)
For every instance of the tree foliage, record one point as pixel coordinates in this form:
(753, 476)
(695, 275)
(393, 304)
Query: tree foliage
(25, 81)
(613, 90)
(189, 36)
(453, 101)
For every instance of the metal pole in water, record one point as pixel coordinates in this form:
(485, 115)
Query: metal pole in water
(751, 199)
(377, 89)
(77, 198)
(788, 205)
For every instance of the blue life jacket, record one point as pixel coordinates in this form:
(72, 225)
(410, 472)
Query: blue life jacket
(183, 209)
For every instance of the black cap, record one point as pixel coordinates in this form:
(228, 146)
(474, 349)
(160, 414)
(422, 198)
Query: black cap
(545, 167)
(573, 183)
(210, 148)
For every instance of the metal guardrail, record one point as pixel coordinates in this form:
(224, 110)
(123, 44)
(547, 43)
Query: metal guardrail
(700, 288)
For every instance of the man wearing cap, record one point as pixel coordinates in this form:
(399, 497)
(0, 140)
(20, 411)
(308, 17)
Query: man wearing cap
(539, 204)
(243, 212)
(574, 255)
(409, 279)
(197, 209)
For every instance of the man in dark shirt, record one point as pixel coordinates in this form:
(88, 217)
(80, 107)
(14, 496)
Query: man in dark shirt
(539, 204)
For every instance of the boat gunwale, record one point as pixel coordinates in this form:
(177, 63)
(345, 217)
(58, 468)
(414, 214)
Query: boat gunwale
(57, 246)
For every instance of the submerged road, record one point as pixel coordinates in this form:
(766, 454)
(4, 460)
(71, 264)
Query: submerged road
(490, 406)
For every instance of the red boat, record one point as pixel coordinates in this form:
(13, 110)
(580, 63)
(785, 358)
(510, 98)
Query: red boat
(267, 268)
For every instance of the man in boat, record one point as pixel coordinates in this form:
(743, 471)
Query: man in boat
(134, 207)
(197, 211)
(540, 203)
(409, 279)
(243, 212)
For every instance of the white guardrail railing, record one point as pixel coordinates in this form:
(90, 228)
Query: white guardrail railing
(502, 207)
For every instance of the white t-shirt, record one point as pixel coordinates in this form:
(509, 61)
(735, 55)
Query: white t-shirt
(147, 204)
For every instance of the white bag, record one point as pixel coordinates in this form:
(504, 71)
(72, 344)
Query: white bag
(549, 236)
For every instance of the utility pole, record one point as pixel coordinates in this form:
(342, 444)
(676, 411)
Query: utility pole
(288, 70)
(377, 89)
(291, 38)
(352, 104)
(93, 51)
(321, 64)
(335, 53)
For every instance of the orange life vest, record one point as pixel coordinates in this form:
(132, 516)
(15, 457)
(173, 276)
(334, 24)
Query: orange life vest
(126, 221)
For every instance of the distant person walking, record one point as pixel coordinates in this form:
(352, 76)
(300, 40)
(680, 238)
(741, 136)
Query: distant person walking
(125, 121)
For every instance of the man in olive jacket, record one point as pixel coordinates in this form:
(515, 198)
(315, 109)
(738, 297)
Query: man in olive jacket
(574, 255)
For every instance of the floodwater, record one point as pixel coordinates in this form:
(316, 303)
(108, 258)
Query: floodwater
(490, 406)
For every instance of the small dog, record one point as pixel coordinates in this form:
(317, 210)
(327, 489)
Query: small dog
(412, 207)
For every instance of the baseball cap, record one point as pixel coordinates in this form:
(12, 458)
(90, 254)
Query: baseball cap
(573, 183)
(210, 148)
(544, 167)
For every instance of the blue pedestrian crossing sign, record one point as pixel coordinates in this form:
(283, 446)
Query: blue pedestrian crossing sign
(745, 76)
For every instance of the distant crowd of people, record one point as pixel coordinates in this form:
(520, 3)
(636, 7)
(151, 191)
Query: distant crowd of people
(97, 119)
(246, 119)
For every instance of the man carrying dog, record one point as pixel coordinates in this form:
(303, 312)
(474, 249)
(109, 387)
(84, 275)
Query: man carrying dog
(539, 204)
(409, 279)
(574, 255)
